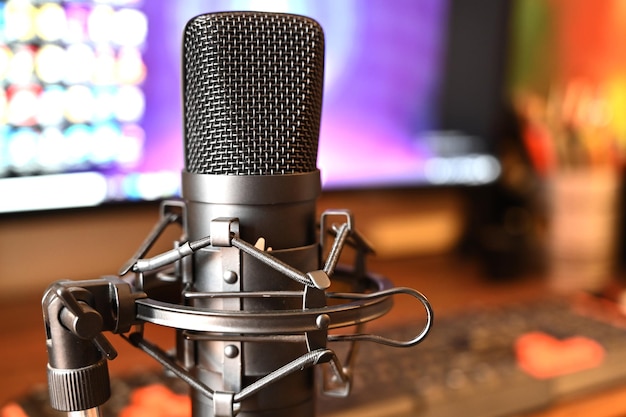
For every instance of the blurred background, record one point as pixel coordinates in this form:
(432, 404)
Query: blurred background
(480, 144)
(491, 122)
(92, 123)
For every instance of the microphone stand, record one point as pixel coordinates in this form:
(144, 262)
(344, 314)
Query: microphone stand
(155, 290)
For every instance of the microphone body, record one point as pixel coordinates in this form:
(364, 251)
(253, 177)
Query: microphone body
(252, 89)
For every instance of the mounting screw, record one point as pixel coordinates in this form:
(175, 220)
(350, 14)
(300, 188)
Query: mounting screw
(322, 321)
(231, 351)
(230, 277)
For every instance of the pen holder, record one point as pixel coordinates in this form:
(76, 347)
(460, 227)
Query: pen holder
(582, 231)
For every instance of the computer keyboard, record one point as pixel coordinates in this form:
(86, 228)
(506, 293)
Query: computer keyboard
(488, 362)
(477, 364)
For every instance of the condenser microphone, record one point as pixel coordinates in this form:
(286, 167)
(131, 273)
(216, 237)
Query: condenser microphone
(245, 286)
(252, 92)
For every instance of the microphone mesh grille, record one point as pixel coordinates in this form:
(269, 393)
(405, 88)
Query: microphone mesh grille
(252, 93)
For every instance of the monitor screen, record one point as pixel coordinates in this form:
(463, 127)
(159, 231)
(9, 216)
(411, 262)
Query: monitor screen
(90, 99)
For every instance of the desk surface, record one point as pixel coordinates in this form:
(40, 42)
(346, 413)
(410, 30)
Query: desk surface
(450, 284)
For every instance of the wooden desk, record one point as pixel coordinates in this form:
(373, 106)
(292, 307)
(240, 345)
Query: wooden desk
(451, 285)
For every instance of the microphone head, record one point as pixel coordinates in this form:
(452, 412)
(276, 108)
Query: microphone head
(252, 93)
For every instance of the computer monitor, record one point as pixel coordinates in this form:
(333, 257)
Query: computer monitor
(90, 98)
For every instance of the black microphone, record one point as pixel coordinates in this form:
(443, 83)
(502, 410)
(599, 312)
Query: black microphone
(245, 287)
(252, 91)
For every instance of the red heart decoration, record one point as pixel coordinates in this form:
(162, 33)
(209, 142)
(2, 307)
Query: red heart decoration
(544, 356)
